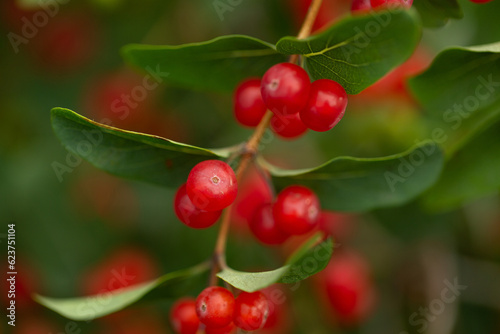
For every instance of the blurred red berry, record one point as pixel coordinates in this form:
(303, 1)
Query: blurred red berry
(183, 316)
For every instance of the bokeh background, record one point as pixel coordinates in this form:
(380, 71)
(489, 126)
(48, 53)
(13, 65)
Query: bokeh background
(75, 229)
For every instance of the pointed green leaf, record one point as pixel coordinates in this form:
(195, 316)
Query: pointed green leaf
(128, 154)
(309, 259)
(436, 13)
(358, 50)
(218, 65)
(91, 307)
(461, 92)
(362, 184)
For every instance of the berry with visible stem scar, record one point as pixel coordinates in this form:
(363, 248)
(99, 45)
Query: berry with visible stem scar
(288, 127)
(191, 215)
(285, 88)
(215, 307)
(264, 227)
(326, 105)
(251, 311)
(211, 185)
(249, 108)
(183, 316)
(296, 210)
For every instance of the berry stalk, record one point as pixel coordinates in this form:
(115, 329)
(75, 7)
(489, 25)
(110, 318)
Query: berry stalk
(251, 148)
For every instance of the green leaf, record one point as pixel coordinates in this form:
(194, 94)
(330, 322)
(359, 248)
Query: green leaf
(91, 307)
(309, 259)
(461, 92)
(218, 65)
(436, 13)
(362, 184)
(358, 50)
(472, 172)
(125, 153)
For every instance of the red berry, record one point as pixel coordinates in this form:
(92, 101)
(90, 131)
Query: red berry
(349, 287)
(215, 307)
(211, 185)
(326, 105)
(183, 316)
(285, 88)
(251, 310)
(264, 226)
(229, 329)
(191, 215)
(296, 210)
(360, 6)
(133, 265)
(390, 4)
(480, 1)
(289, 126)
(248, 104)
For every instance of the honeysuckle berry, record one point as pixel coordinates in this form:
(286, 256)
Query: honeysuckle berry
(349, 287)
(296, 210)
(360, 6)
(215, 307)
(211, 185)
(289, 126)
(326, 105)
(183, 316)
(189, 214)
(264, 227)
(229, 329)
(251, 310)
(249, 108)
(285, 88)
(390, 4)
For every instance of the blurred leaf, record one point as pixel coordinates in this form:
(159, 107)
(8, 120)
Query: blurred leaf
(358, 50)
(308, 260)
(436, 13)
(361, 184)
(128, 154)
(91, 307)
(472, 172)
(218, 65)
(460, 91)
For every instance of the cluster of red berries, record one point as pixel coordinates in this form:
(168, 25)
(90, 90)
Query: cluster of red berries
(219, 312)
(362, 6)
(297, 104)
(295, 211)
(211, 186)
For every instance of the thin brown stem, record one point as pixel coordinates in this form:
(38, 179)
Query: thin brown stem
(306, 28)
(249, 151)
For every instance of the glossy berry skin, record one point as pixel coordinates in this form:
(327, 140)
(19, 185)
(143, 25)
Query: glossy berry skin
(326, 105)
(480, 1)
(191, 215)
(215, 307)
(285, 88)
(249, 108)
(229, 329)
(211, 185)
(183, 316)
(360, 6)
(296, 210)
(264, 227)
(251, 311)
(390, 4)
(288, 127)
